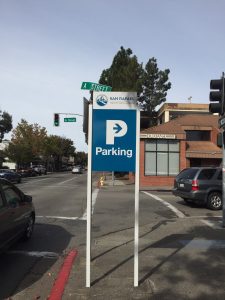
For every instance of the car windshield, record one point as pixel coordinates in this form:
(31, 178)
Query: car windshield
(187, 174)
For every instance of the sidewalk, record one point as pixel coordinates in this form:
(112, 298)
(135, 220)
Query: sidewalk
(122, 181)
(179, 258)
(187, 264)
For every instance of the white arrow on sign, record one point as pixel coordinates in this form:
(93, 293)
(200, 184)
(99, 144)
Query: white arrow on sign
(115, 128)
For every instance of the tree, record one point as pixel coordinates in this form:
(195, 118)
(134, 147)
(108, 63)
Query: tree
(5, 124)
(31, 144)
(150, 83)
(154, 88)
(27, 143)
(56, 148)
(80, 158)
(125, 72)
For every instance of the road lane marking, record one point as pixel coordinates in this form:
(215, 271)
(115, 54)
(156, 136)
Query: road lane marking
(31, 181)
(213, 224)
(67, 180)
(94, 198)
(177, 212)
(58, 217)
(208, 223)
(45, 254)
(65, 186)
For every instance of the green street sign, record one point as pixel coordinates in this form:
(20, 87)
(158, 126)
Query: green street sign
(70, 119)
(95, 87)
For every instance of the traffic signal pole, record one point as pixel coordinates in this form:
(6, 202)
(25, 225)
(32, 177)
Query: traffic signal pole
(223, 176)
(223, 169)
(217, 105)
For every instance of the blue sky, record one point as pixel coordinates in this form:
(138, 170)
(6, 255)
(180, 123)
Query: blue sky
(49, 47)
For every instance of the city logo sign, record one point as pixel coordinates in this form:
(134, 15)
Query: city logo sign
(101, 100)
(115, 100)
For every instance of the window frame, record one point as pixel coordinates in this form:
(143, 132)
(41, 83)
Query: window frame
(17, 191)
(168, 151)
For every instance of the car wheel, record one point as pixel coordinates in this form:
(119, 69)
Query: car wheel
(29, 228)
(214, 201)
(19, 180)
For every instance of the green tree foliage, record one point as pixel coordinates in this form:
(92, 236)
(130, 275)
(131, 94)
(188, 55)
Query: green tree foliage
(30, 143)
(80, 158)
(154, 88)
(56, 145)
(27, 143)
(55, 148)
(125, 72)
(5, 124)
(150, 83)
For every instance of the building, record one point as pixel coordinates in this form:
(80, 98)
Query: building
(4, 161)
(186, 141)
(170, 111)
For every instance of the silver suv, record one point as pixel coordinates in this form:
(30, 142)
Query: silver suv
(200, 184)
(40, 169)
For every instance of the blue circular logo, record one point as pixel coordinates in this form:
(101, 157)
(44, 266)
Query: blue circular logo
(101, 100)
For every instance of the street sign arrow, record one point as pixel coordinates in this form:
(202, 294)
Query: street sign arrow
(117, 128)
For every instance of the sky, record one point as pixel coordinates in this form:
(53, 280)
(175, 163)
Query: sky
(49, 47)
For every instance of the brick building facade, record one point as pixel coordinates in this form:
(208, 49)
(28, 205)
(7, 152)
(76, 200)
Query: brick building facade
(166, 149)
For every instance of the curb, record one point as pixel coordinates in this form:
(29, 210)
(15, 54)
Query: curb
(63, 276)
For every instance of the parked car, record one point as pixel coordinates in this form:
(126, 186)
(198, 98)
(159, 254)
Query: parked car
(40, 169)
(17, 214)
(77, 170)
(26, 172)
(200, 184)
(10, 175)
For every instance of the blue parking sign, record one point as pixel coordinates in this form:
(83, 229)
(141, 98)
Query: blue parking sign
(114, 140)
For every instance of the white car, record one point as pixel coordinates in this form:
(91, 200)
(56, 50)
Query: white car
(76, 170)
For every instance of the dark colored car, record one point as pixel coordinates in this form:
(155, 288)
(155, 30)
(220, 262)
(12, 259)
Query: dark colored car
(26, 172)
(17, 214)
(10, 175)
(201, 185)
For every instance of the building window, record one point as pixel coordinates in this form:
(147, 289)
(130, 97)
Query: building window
(197, 135)
(162, 157)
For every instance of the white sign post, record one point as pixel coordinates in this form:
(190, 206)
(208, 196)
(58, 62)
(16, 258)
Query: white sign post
(89, 201)
(114, 146)
(136, 206)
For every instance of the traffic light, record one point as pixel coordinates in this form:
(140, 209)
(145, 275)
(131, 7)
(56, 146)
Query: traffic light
(217, 96)
(56, 119)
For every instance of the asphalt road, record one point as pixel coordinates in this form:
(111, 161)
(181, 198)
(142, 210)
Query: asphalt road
(60, 201)
(28, 270)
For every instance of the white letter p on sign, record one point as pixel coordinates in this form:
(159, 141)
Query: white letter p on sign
(115, 128)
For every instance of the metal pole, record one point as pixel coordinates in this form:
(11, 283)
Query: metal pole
(223, 169)
(223, 142)
(223, 174)
(136, 209)
(89, 201)
(113, 178)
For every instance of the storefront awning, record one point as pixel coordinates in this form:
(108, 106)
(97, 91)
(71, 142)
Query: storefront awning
(202, 149)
